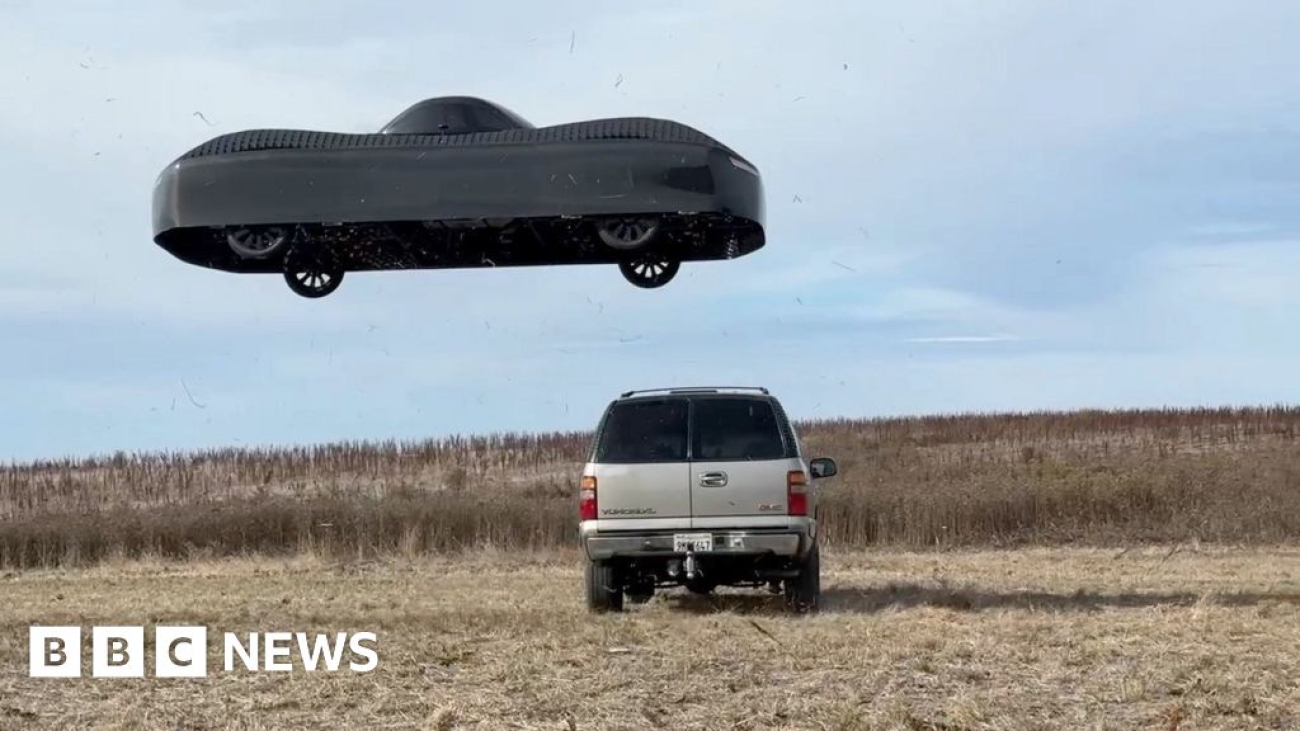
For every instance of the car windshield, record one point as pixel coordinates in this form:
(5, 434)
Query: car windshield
(735, 429)
(644, 431)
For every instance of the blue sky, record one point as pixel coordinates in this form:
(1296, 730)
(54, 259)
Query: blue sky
(971, 206)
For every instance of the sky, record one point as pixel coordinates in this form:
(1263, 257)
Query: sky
(971, 206)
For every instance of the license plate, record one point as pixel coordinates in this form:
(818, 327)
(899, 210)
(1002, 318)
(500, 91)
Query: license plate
(694, 542)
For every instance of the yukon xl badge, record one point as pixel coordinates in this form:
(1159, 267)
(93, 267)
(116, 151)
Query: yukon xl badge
(627, 511)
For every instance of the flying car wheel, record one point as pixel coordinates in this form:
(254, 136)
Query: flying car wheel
(256, 242)
(650, 270)
(627, 234)
(313, 274)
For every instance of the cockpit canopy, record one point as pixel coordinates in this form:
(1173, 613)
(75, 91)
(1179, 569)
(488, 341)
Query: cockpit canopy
(453, 115)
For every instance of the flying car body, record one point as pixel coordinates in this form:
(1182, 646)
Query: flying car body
(457, 182)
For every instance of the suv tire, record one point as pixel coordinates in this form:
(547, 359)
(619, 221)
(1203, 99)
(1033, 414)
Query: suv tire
(639, 592)
(701, 588)
(803, 593)
(603, 592)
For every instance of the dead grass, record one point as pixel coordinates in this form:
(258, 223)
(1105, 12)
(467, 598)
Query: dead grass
(1093, 477)
(1195, 638)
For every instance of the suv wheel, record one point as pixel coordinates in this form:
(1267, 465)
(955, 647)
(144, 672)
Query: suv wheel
(802, 593)
(603, 592)
(702, 588)
(640, 593)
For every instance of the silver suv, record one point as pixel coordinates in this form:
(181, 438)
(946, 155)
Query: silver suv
(699, 487)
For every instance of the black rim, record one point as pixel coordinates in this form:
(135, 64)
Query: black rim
(312, 275)
(650, 271)
(314, 279)
(631, 231)
(628, 233)
(256, 241)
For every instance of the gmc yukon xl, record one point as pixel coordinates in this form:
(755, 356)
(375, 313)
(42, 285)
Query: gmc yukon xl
(699, 487)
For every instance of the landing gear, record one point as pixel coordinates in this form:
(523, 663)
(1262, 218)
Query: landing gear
(257, 242)
(627, 234)
(649, 270)
(312, 273)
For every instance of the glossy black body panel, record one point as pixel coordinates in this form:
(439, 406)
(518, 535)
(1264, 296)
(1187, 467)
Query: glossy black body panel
(454, 115)
(507, 195)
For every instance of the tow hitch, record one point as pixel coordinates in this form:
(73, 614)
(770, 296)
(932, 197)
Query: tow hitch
(687, 566)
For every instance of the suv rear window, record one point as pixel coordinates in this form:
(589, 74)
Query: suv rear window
(736, 429)
(644, 431)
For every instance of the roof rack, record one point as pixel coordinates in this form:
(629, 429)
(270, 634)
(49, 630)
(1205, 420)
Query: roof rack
(698, 389)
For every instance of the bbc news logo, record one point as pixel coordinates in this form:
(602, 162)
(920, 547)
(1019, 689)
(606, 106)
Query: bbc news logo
(182, 652)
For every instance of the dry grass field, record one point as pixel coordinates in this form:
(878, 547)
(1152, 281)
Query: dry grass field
(1101, 478)
(1089, 570)
(1184, 637)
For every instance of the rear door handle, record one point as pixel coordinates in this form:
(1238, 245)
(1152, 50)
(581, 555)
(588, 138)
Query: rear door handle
(713, 479)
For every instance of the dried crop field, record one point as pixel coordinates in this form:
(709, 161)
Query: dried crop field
(963, 640)
(1099, 478)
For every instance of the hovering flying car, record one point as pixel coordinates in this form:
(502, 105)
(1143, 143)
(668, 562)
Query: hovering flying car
(457, 182)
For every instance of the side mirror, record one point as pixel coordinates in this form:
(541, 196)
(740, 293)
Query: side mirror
(822, 467)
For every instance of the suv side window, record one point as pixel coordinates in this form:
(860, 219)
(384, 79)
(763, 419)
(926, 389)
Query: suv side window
(641, 431)
(736, 429)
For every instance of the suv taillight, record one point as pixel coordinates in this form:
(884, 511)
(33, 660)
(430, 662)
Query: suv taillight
(796, 492)
(587, 499)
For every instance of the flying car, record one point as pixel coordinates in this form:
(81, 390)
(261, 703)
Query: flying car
(459, 182)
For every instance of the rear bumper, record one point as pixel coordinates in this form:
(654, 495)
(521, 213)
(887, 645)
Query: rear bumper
(790, 543)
